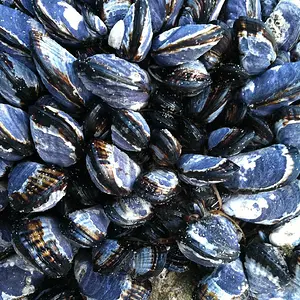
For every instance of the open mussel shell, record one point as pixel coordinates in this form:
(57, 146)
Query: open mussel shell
(188, 79)
(87, 227)
(111, 256)
(55, 67)
(119, 83)
(184, 43)
(287, 126)
(225, 282)
(157, 186)
(40, 241)
(256, 43)
(198, 170)
(210, 242)
(19, 85)
(132, 36)
(111, 170)
(129, 130)
(265, 259)
(265, 169)
(284, 22)
(63, 22)
(57, 136)
(227, 141)
(15, 138)
(265, 208)
(112, 286)
(276, 87)
(148, 261)
(129, 211)
(165, 148)
(33, 187)
(286, 233)
(18, 278)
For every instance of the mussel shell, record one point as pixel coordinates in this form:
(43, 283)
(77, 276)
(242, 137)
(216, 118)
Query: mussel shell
(225, 282)
(148, 261)
(256, 43)
(87, 227)
(15, 139)
(265, 169)
(286, 234)
(137, 38)
(173, 8)
(4, 200)
(40, 241)
(187, 79)
(33, 187)
(165, 148)
(18, 278)
(282, 84)
(55, 67)
(210, 242)
(129, 211)
(112, 286)
(97, 122)
(287, 125)
(19, 85)
(130, 131)
(63, 22)
(5, 166)
(157, 186)
(227, 141)
(158, 13)
(176, 261)
(111, 170)
(284, 22)
(265, 259)
(184, 44)
(198, 170)
(119, 83)
(57, 136)
(6, 247)
(111, 256)
(267, 207)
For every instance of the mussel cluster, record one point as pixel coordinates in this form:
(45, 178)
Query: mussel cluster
(149, 136)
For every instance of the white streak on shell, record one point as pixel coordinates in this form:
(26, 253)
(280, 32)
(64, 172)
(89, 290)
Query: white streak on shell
(116, 35)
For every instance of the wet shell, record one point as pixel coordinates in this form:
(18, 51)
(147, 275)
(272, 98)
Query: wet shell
(6, 247)
(157, 186)
(5, 166)
(55, 67)
(166, 149)
(111, 170)
(198, 170)
(19, 85)
(148, 261)
(184, 44)
(18, 278)
(129, 211)
(130, 131)
(265, 208)
(284, 22)
(4, 200)
(119, 83)
(87, 227)
(226, 282)
(265, 262)
(57, 137)
(210, 242)
(33, 187)
(40, 241)
(15, 142)
(113, 286)
(132, 36)
(265, 169)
